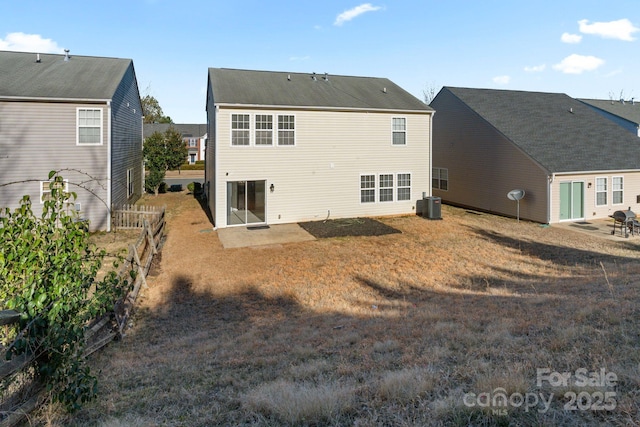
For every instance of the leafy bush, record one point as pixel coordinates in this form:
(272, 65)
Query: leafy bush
(49, 273)
(195, 167)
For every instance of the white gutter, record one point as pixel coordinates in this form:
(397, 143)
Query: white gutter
(109, 189)
(40, 99)
(317, 108)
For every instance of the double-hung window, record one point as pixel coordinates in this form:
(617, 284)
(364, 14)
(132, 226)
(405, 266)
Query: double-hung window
(286, 130)
(617, 190)
(601, 191)
(399, 131)
(89, 126)
(240, 129)
(367, 188)
(47, 186)
(264, 129)
(440, 178)
(386, 187)
(404, 186)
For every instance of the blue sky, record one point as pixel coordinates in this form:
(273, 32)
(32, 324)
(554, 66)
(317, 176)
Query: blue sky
(585, 48)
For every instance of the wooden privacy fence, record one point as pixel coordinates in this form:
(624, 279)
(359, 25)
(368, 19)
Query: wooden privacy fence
(133, 216)
(26, 393)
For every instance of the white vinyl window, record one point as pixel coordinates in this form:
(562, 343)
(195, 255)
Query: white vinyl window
(240, 129)
(404, 186)
(45, 189)
(367, 188)
(386, 187)
(286, 130)
(89, 126)
(601, 191)
(440, 178)
(130, 186)
(399, 131)
(264, 129)
(617, 188)
(192, 142)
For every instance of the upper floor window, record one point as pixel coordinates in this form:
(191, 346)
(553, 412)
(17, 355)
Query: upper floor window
(264, 129)
(617, 190)
(601, 191)
(399, 130)
(89, 124)
(440, 178)
(192, 142)
(286, 130)
(240, 129)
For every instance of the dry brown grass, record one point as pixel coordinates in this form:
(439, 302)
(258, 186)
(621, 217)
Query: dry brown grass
(388, 330)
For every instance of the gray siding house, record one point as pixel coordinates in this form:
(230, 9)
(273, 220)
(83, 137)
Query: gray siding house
(289, 147)
(573, 163)
(80, 115)
(624, 113)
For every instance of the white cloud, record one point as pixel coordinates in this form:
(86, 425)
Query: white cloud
(535, 68)
(348, 15)
(571, 38)
(621, 29)
(576, 64)
(21, 42)
(502, 80)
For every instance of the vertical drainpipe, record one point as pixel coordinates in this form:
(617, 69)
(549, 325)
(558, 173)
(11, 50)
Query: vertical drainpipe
(109, 166)
(550, 180)
(141, 148)
(430, 171)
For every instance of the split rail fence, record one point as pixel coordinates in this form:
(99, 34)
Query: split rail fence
(25, 393)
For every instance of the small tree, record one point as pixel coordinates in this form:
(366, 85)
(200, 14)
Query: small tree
(48, 270)
(163, 152)
(152, 111)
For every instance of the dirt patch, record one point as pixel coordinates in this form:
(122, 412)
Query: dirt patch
(347, 227)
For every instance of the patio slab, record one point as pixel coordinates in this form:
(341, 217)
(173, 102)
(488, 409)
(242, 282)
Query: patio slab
(241, 237)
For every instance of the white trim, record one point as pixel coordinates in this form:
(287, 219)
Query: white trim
(101, 126)
(392, 187)
(256, 130)
(231, 129)
(398, 187)
(374, 189)
(311, 108)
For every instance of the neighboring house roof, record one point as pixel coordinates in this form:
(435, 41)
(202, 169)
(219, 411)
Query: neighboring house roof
(283, 89)
(628, 110)
(80, 77)
(558, 132)
(187, 130)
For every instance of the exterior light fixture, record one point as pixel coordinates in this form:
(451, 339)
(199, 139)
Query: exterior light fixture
(272, 188)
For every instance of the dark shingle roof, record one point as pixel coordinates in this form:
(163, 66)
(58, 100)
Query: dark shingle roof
(187, 130)
(560, 133)
(246, 87)
(628, 110)
(82, 77)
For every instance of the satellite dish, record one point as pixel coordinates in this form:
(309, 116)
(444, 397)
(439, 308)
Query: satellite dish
(515, 194)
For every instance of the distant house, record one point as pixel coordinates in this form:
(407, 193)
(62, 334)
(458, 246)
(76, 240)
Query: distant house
(289, 147)
(193, 135)
(624, 113)
(573, 163)
(78, 114)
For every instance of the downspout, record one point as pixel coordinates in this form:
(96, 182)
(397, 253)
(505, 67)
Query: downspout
(109, 189)
(550, 180)
(430, 171)
(142, 190)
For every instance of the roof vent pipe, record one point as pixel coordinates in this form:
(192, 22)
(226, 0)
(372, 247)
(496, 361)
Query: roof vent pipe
(66, 55)
(384, 89)
(37, 57)
(326, 77)
(289, 77)
(314, 77)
